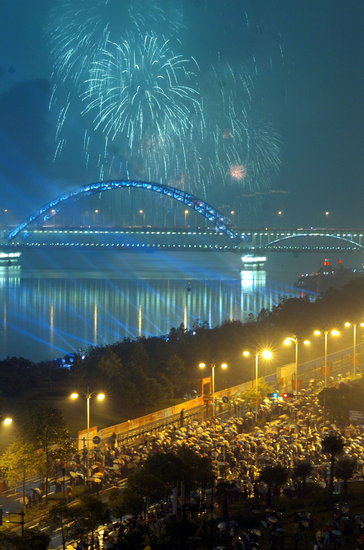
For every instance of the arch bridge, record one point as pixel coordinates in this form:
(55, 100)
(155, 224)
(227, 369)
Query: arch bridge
(36, 230)
(221, 222)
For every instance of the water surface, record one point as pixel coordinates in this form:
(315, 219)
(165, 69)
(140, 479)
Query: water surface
(58, 302)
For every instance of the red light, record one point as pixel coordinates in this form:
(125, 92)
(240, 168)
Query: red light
(339, 262)
(326, 262)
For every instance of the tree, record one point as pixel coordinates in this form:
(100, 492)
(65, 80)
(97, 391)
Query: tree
(332, 445)
(274, 476)
(176, 374)
(58, 518)
(46, 429)
(302, 470)
(20, 461)
(32, 538)
(345, 470)
(142, 489)
(148, 486)
(226, 491)
(89, 514)
(197, 469)
(167, 467)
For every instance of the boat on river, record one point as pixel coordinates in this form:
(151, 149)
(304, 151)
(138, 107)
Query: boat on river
(253, 262)
(9, 258)
(328, 276)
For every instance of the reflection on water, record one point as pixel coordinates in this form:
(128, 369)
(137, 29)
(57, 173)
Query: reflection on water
(47, 314)
(60, 303)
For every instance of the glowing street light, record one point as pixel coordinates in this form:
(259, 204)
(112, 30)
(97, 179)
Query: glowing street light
(142, 213)
(354, 325)
(186, 214)
(265, 354)
(213, 366)
(7, 421)
(326, 333)
(100, 397)
(294, 340)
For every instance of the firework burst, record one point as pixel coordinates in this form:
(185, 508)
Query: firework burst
(79, 29)
(143, 94)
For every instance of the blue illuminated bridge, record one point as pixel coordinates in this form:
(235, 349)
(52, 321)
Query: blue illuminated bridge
(39, 229)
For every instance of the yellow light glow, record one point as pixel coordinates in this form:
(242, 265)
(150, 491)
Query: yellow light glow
(317, 332)
(246, 353)
(224, 365)
(202, 365)
(100, 396)
(287, 342)
(306, 342)
(347, 324)
(7, 421)
(74, 395)
(335, 333)
(266, 353)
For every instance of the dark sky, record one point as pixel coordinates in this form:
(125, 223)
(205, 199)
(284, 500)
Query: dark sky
(309, 83)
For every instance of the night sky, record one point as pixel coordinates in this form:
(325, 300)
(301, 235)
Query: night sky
(305, 59)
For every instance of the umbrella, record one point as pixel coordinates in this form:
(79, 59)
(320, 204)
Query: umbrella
(63, 478)
(95, 479)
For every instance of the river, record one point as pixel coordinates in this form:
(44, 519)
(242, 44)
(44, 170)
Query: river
(58, 302)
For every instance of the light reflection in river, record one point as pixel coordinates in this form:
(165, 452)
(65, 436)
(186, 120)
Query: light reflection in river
(47, 313)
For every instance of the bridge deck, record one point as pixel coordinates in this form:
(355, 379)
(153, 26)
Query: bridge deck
(144, 238)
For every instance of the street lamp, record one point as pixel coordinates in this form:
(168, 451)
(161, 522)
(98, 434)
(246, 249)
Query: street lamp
(287, 342)
(354, 325)
(213, 366)
(7, 421)
(326, 333)
(265, 354)
(186, 214)
(96, 212)
(100, 397)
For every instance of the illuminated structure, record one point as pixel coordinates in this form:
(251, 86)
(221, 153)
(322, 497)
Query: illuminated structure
(194, 203)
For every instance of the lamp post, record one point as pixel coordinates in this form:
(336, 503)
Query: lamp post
(266, 354)
(96, 212)
(100, 397)
(213, 366)
(326, 333)
(354, 325)
(287, 342)
(185, 214)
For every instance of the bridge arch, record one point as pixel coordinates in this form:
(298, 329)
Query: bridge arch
(315, 234)
(221, 222)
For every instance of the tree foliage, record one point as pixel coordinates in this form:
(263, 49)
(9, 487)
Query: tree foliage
(333, 445)
(147, 373)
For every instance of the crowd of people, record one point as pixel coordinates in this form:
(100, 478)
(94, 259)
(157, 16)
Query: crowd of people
(285, 432)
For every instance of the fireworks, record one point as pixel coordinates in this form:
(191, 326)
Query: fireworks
(142, 94)
(237, 172)
(79, 29)
(148, 112)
